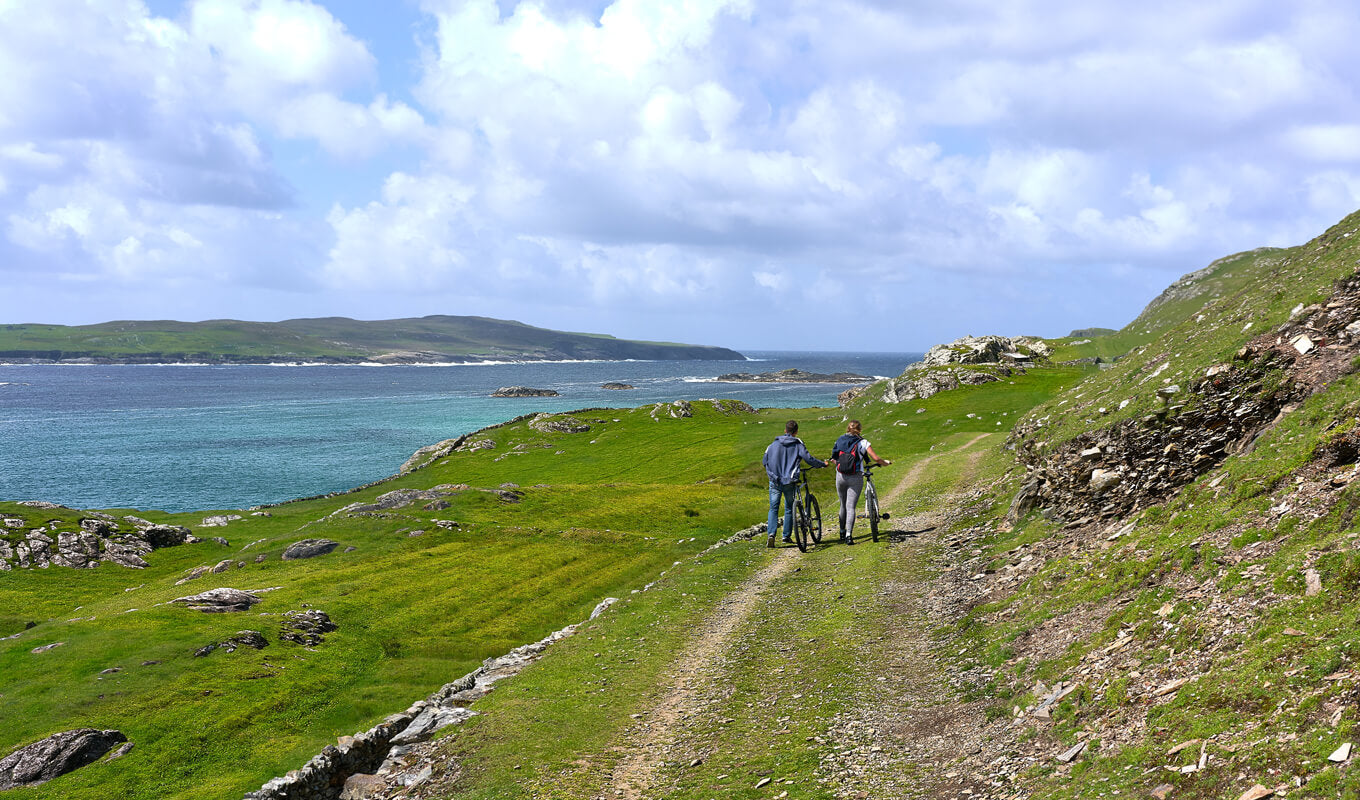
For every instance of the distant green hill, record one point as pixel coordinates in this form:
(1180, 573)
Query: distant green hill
(339, 340)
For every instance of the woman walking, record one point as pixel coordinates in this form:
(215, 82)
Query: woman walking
(849, 453)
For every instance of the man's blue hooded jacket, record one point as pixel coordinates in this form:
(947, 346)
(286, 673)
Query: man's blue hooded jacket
(783, 456)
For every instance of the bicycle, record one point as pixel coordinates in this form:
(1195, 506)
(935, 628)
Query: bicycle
(807, 515)
(811, 509)
(871, 508)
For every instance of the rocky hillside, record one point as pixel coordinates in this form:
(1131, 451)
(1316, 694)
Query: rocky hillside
(1159, 599)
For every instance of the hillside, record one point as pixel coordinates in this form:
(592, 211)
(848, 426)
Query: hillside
(1136, 581)
(433, 339)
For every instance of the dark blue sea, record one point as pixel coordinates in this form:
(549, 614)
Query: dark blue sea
(183, 438)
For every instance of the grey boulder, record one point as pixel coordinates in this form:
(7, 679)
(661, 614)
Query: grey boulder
(309, 548)
(55, 756)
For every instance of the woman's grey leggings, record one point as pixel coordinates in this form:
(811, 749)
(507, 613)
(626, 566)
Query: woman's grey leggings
(848, 488)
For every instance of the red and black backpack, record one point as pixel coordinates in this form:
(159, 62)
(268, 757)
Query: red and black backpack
(845, 452)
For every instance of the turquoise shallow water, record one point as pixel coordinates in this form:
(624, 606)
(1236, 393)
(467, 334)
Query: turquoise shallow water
(180, 438)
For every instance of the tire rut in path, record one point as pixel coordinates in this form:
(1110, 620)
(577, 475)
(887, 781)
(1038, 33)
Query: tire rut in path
(904, 733)
(635, 774)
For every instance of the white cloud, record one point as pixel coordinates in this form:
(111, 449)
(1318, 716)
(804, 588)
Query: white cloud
(672, 156)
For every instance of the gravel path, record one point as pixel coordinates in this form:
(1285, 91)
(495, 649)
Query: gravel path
(651, 741)
(909, 737)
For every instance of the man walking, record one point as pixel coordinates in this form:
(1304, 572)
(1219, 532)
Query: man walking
(782, 460)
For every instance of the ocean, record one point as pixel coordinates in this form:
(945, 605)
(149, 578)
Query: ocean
(185, 438)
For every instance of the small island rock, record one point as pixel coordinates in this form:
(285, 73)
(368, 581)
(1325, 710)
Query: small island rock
(617, 386)
(522, 391)
(793, 375)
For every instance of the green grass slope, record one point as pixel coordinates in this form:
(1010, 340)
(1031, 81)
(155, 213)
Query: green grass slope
(1181, 301)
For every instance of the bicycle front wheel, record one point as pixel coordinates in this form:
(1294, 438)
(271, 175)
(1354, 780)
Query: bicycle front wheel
(814, 517)
(800, 527)
(871, 505)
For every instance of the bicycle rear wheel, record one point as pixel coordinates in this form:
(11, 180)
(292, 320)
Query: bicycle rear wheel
(814, 516)
(871, 505)
(800, 527)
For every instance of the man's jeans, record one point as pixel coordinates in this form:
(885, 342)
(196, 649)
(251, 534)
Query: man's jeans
(785, 490)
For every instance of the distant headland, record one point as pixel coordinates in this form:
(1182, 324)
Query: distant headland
(329, 340)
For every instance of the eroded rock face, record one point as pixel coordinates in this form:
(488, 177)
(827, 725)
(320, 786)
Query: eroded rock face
(1140, 462)
(217, 601)
(309, 548)
(55, 756)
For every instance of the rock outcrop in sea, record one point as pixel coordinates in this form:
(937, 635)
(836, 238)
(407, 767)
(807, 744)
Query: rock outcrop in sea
(793, 375)
(523, 391)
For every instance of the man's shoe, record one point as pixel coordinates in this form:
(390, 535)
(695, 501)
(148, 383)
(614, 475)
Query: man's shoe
(769, 541)
(787, 540)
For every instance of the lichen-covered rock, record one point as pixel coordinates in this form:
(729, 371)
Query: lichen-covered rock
(216, 601)
(77, 550)
(55, 756)
(680, 409)
(159, 536)
(430, 453)
(558, 423)
(396, 499)
(732, 407)
(220, 520)
(307, 628)
(38, 552)
(252, 639)
(987, 350)
(309, 548)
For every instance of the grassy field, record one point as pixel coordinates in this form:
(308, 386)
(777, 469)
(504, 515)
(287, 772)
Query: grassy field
(595, 514)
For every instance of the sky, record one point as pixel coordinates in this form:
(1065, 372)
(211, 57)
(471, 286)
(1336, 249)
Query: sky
(866, 175)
